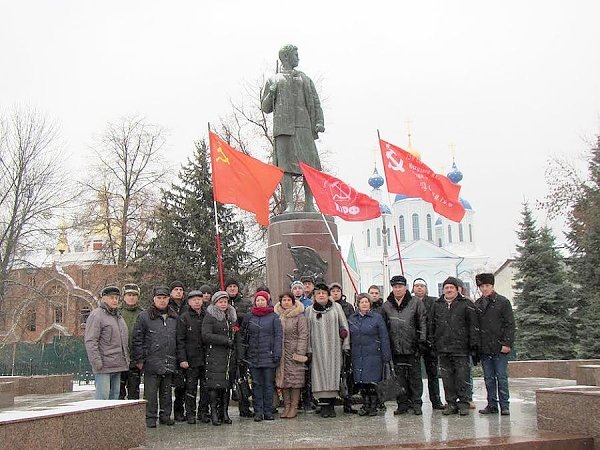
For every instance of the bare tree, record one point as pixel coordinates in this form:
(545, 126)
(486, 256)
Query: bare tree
(124, 185)
(33, 184)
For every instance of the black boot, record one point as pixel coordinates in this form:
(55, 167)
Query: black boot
(374, 404)
(366, 406)
(213, 395)
(225, 406)
(190, 408)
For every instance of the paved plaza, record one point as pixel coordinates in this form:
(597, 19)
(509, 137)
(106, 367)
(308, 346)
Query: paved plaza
(309, 430)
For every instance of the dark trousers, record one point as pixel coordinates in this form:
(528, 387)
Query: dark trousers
(307, 397)
(193, 376)
(179, 388)
(408, 369)
(262, 388)
(130, 384)
(456, 371)
(243, 401)
(433, 383)
(157, 390)
(495, 374)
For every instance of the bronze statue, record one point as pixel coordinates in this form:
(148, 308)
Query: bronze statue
(297, 121)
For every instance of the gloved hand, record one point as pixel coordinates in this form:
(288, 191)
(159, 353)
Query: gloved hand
(343, 333)
(347, 354)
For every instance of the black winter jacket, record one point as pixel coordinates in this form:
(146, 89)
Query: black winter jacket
(496, 322)
(454, 328)
(155, 341)
(190, 347)
(346, 306)
(406, 324)
(220, 334)
(242, 307)
(261, 340)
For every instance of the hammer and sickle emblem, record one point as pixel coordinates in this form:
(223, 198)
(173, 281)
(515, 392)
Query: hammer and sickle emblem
(393, 163)
(341, 192)
(222, 156)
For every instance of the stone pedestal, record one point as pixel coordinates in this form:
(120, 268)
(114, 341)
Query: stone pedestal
(299, 229)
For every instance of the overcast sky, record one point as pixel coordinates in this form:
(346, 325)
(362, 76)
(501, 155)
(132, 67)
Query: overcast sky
(509, 83)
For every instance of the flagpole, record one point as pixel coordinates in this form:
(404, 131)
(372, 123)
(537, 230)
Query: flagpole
(217, 230)
(391, 206)
(337, 247)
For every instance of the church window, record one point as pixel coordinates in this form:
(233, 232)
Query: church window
(415, 227)
(401, 229)
(378, 237)
(461, 236)
(368, 238)
(470, 233)
(429, 228)
(449, 234)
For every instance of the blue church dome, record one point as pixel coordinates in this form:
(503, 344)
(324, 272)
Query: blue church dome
(465, 203)
(376, 180)
(438, 221)
(385, 209)
(455, 175)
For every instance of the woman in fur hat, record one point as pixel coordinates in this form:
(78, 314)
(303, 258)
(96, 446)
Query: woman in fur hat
(328, 331)
(220, 335)
(290, 373)
(261, 350)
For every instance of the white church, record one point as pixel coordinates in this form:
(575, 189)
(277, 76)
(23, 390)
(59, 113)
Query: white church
(431, 246)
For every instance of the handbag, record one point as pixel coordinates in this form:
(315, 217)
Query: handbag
(389, 388)
(242, 385)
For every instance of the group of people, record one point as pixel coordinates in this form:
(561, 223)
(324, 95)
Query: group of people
(310, 346)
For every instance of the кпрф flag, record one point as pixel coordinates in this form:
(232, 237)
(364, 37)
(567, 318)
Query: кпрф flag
(336, 198)
(406, 174)
(241, 180)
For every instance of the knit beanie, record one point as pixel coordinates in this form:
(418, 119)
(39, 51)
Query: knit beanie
(451, 280)
(219, 295)
(263, 294)
(230, 281)
(176, 284)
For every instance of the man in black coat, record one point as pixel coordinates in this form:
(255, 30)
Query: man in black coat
(405, 319)
(242, 308)
(154, 352)
(430, 358)
(177, 303)
(375, 294)
(190, 354)
(453, 329)
(497, 335)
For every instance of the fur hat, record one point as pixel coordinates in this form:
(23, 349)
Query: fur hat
(110, 290)
(484, 278)
(398, 279)
(219, 295)
(176, 284)
(263, 294)
(230, 281)
(335, 285)
(161, 290)
(205, 288)
(451, 280)
(306, 278)
(322, 286)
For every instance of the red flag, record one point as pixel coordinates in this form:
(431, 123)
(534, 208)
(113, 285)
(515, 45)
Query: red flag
(336, 198)
(406, 174)
(241, 180)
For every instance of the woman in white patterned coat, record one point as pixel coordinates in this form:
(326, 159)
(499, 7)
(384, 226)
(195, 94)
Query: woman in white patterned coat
(328, 338)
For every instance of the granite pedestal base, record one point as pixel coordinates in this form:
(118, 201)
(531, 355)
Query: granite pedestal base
(41, 384)
(562, 369)
(89, 424)
(588, 375)
(570, 409)
(7, 394)
(299, 229)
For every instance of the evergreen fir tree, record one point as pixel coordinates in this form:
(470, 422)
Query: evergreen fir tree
(544, 297)
(185, 244)
(584, 242)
